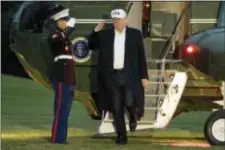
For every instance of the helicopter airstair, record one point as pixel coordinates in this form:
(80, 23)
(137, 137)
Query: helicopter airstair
(161, 99)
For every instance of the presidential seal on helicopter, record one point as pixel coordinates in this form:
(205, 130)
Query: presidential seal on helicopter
(81, 51)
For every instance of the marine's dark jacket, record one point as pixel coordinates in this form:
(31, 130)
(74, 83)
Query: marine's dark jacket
(63, 70)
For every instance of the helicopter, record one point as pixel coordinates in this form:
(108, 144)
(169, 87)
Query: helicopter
(200, 89)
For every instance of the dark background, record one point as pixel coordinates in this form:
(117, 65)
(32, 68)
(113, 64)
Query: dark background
(9, 61)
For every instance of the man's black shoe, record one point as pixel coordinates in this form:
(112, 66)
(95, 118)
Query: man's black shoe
(133, 126)
(133, 123)
(121, 140)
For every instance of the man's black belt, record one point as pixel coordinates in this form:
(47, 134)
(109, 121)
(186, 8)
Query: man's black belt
(118, 70)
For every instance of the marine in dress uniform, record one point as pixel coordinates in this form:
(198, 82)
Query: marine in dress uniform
(122, 69)
(62, 74)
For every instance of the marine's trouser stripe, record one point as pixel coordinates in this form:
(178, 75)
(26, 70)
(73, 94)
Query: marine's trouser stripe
(55, 126)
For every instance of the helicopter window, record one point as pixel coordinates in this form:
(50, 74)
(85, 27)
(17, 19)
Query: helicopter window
(201, 17)
(34, 16)
(26, 20)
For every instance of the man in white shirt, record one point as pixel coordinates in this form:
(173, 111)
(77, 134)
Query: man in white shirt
(122, 69)
(119, 49)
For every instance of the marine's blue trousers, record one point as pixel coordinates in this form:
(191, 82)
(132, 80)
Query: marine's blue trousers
(62, 106)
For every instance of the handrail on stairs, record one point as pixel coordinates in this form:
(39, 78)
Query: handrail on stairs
(176, 30)
(128, 6)
(166, 49)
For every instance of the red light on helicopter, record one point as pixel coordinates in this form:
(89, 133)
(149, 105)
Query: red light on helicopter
(191, 49)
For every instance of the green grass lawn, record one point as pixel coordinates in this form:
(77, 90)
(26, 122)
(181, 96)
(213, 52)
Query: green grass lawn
(27, 113)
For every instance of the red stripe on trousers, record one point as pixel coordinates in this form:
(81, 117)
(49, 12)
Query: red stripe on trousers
(57, 112)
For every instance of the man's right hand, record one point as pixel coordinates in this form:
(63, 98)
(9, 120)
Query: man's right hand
(99, 27)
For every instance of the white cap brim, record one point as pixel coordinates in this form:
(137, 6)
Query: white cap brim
(118, 13)
(61, 14)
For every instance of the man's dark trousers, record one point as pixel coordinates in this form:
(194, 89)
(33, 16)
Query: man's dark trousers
(122, 97)
(62, 106)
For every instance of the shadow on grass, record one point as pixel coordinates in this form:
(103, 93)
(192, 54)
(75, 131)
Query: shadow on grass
(97, 143)
(151, 137)
(77, 140)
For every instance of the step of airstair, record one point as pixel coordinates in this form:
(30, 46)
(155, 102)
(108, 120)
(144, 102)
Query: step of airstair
(156, 92)
(155, 74)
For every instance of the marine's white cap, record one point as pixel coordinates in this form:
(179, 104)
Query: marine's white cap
(118, 13)
(61, 14)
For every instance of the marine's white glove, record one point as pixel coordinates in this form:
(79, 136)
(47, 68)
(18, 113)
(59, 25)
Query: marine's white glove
(71, 22)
